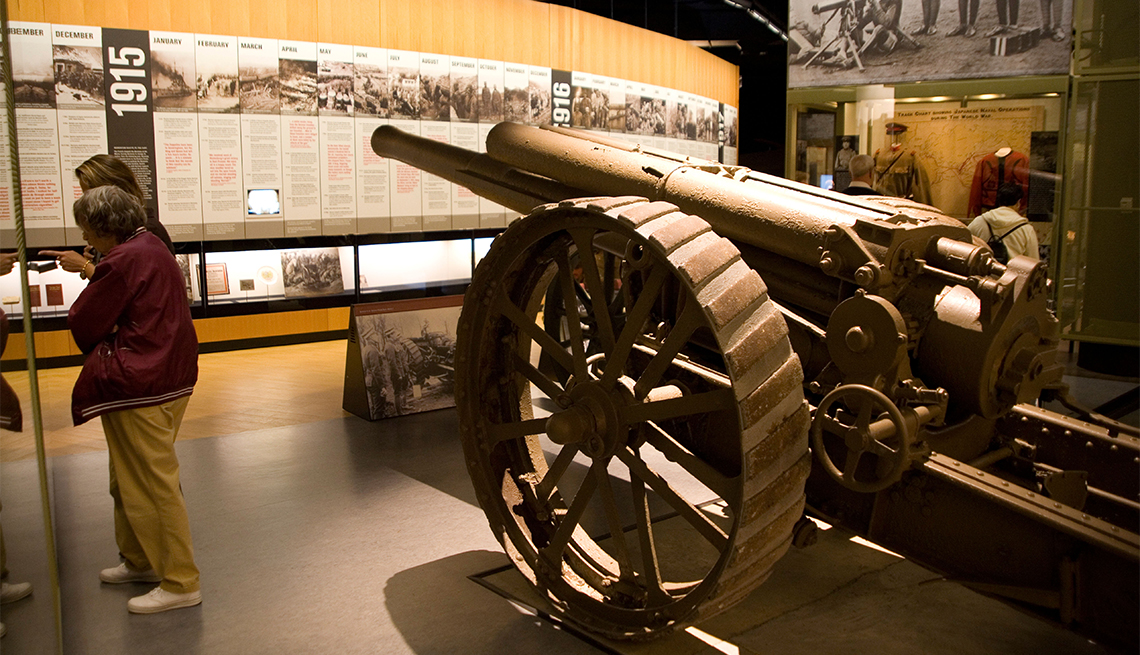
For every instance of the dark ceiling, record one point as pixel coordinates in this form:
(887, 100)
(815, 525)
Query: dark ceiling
(760, 53)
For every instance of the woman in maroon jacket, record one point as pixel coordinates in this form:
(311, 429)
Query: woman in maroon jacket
(133, 323)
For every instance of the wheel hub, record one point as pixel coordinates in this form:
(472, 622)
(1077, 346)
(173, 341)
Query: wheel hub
(591, 420)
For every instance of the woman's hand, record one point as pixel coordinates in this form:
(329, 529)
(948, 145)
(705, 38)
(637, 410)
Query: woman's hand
(70, 261)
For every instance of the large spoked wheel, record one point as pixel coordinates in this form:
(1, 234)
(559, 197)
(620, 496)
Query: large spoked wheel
(654, 476)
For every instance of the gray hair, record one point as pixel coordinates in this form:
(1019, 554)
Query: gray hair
(108, 211)
(860, 165)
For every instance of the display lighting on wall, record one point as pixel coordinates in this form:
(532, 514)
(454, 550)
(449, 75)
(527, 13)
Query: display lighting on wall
(750, 9)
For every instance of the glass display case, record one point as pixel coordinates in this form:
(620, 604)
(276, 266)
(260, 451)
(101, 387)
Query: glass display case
(231, 278)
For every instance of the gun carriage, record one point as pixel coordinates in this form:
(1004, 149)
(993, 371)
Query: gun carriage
(733, 349)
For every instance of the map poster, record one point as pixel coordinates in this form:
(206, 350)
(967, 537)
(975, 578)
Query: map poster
(949, 141)
(848, 43)
(33, 85)
(337, 137)
(219, 136)
(78, 61)
(179, 169)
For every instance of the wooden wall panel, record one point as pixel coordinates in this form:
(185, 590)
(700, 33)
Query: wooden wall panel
(30, 10)
(510, 30)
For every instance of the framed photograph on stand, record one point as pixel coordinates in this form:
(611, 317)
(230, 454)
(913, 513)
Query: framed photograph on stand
(400, 357)
(217, 282)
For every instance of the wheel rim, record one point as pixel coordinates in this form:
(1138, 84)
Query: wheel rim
(681, 389)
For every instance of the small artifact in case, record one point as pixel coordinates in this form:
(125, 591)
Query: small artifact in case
(43, 265)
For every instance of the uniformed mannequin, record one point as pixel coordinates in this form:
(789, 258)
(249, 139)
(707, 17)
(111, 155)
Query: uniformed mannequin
(898, 170)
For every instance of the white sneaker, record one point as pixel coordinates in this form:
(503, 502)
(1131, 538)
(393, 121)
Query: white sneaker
(121, 574)
(160, 600)
(10, 593)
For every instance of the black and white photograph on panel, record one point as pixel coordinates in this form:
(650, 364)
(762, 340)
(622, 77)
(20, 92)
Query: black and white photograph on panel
(654, 116)
(464, 89)
(187, 277)
(633, 113)
(78, 76)
(435, 88)
(686, 120)
(311, 272)
(540, 107)
(731, 126)
(216, 63)
(887, 41)
(298, 86)
(615, 107)
(707, 128)
(589, 105)
(516, 98)
(490, 91)
(259, 75)
(334, 87)
(404, 85)
(408, 357)
(370, 82)
(172, 79)
(33, 77)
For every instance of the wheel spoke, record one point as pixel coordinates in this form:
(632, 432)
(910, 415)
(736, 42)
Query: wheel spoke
(570, 520)
(635, 321)
(863, 420)
(832, 425)
(497, 433)
(709, 530)
(686, 324)
(536, 333)
(595, 286)
(675, 452)
(613, 518)
(852, 464)
(549, 387)
(651, 569)
(562, 462)
(570, 311)
(689, 405)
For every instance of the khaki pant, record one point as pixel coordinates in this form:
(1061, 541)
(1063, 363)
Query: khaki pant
(151, 525)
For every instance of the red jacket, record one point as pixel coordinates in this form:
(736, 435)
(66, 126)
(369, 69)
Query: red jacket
(152, 358)
(990, 173)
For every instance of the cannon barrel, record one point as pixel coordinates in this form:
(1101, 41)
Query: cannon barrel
(699, 325)
(784, 217)
(502, 183)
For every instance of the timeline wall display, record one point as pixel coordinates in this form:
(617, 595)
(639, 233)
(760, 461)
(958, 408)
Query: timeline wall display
(236, 137)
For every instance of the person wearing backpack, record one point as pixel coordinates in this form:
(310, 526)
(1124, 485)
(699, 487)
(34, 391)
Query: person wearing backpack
(1007, 232)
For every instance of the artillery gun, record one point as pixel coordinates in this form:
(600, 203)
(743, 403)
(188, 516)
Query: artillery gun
(667, 361)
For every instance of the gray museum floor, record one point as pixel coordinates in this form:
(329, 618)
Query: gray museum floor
(337, 535)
